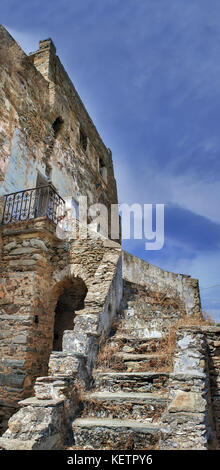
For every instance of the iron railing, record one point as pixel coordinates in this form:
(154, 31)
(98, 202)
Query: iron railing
(32, 203)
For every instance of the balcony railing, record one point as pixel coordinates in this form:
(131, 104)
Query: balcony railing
(32, 203)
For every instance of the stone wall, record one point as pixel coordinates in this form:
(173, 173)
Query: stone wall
(36, 267)
(184, 287)
(191, 420)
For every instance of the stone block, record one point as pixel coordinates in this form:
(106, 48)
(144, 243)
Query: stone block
(20, 339)
(22, 251)
(63, 363)
(75, 342)
(35, 242)
(10, 246)
(12, 380)
(187, 402)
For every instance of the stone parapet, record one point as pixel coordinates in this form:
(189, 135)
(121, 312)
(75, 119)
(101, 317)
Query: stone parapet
(182, 286)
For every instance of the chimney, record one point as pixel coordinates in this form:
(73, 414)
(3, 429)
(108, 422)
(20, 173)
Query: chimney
(44, 59)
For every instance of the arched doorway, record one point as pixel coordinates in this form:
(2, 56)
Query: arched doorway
(70, 300)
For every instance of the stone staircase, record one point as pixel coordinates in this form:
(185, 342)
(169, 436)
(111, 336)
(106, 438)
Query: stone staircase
(123, 409)
(155, 384)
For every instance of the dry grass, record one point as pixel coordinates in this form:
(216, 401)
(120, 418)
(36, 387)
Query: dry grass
(120, 444)
(129, 443)
(168, 348)
(208, 319)
(159, 298)
(107, 356)
(195, 320)
(107, 351)
(80, 390)
(165, 365)
(94, 405)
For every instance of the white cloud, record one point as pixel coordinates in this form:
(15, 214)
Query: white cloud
(150, 185)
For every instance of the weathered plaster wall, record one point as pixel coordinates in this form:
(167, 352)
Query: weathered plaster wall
(187, 289)
(29, 106)
(22, 93)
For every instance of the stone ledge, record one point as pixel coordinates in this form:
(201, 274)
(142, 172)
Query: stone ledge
(129, 397)
(41, 403)
(39, 224)
(186, 377)
(69, 354)
(107, 243)
(200, 328)
(115, 423)
(131, 374)
(50, 379)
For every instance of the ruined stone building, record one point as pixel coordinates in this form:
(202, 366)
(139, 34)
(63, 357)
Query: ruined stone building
(99, 349)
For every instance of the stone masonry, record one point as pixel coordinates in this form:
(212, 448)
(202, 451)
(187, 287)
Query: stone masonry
(98, 349)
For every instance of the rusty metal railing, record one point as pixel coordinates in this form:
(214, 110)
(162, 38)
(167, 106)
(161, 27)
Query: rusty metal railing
(32, 203)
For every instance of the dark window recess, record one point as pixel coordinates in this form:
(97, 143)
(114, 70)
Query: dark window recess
(41, 180)
(83, 139)
(48, 171)
(102, 170)
(57, 126)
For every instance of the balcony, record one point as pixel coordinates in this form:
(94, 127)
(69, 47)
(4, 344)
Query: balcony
(29, 204)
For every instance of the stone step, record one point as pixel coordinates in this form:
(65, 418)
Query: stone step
(148, 313)
(103, 433)
(144, 330)
(66, 363)
(131, 381)
(122, 361)
(144, 362)
(53, 387)
(139, 345)
(138, 406)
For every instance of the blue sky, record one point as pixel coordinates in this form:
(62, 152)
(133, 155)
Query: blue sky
(148, 72)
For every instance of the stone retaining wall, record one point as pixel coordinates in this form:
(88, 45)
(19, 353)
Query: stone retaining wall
(190, 421)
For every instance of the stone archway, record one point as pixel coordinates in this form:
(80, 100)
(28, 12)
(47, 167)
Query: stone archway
(71, 299)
